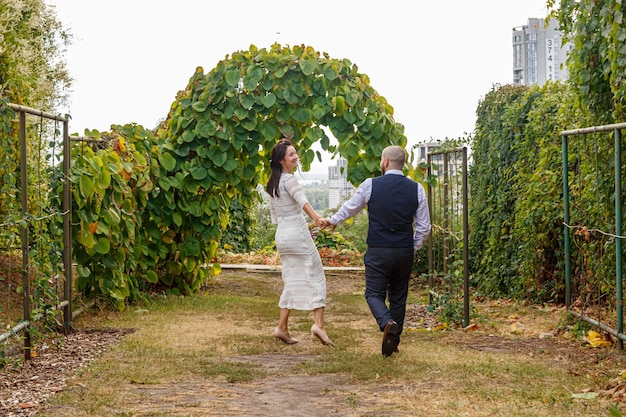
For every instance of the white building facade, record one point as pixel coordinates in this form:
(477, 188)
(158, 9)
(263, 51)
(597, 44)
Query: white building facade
(538, 53)
(339, 189)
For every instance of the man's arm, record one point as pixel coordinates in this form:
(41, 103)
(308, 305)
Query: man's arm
(421, 219)
(354, 205)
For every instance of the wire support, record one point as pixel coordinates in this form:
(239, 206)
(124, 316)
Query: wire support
(37, 219)
(584, 229)
(446, 231)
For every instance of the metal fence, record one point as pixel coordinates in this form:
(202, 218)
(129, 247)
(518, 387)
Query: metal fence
(448, 242)
(593, 201)
(27, 219)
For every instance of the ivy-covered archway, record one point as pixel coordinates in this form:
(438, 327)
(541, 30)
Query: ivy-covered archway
(214, 146)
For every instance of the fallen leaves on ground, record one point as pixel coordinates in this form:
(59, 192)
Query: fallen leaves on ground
(595, 339)
(24, 386)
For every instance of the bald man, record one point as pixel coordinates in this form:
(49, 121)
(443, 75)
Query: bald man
(399, 222)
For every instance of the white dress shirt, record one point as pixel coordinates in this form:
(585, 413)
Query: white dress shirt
(352, 207)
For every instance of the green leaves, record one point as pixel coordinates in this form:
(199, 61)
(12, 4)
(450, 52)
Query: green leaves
(219, 158)
(113, 184)
(199, 106)
(254, 74)
(597, 64)
(339, 105)
(308, 66)
(103, 246)
(268, 100)
(232, 77)
(155, 207)
(302, 115)
(86, 187)
(111, 216)
(198, 173)
(167, 161)
(516, 199)
(152, 277)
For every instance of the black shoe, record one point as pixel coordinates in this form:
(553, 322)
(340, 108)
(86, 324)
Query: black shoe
(389, 338)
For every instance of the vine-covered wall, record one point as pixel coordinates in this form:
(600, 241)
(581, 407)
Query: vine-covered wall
(516, 203)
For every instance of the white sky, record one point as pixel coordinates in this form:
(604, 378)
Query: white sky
(432, 60)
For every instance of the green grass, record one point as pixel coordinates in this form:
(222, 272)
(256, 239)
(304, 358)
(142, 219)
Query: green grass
(233, 371)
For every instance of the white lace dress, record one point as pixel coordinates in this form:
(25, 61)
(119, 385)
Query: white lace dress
(302, 272)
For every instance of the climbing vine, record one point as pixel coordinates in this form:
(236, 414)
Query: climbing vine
(32, 73)
(597, 63)
(516, 207)
(491, 183)
(151, 208)
(112, 179)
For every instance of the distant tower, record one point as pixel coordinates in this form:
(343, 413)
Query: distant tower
(538, 53)
(423, 149)
(339, 189)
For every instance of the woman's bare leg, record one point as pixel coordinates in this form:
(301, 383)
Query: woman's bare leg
(317, 329)
(282, 331)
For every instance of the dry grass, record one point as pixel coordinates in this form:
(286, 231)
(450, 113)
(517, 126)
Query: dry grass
(212, 354)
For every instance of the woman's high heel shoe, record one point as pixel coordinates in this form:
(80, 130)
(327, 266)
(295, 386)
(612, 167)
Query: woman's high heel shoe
(284, 336)
(321, 335)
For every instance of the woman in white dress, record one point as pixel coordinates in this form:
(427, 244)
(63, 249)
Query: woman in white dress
(304, 282)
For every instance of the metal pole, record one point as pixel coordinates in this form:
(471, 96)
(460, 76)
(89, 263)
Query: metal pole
(594, 129)
(610, 330)
(67, 228)
(24, 109)
(466, 295)
(566, 241)
(430, 236)
(24, 233)
(618, 232)
(446, 214)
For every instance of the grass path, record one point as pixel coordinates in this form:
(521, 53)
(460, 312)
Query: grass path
(212, 354)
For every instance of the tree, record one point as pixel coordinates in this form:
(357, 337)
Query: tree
(597, 63)
(32, 44)
(32, 73)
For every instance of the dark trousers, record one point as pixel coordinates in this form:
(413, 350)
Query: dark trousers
(387, 273)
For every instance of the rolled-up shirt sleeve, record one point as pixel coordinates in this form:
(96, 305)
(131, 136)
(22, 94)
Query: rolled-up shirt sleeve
(421, 219)
(361, 197)
(355, 204)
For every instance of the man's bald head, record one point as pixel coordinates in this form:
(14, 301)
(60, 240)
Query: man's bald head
(396, 157)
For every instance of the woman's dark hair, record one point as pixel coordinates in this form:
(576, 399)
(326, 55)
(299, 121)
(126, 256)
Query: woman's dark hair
(278, 154)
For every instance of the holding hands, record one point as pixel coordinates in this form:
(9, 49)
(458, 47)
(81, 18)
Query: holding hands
(324, 222)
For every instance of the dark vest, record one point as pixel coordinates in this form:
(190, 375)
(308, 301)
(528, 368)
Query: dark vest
(391, 209)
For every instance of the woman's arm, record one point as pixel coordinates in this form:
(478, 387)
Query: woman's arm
(310, 211)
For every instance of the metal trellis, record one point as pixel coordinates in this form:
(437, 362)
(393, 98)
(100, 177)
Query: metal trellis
(66, 304)
(616, 129)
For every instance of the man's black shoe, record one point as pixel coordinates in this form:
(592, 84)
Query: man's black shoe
(389, 338)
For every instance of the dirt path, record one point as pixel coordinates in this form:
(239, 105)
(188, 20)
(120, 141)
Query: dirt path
(279, 393)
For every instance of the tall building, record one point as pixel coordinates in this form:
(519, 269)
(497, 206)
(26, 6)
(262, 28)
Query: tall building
(423, 149)
(538, 53)
(339, 189)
